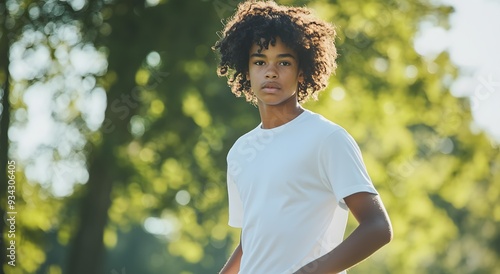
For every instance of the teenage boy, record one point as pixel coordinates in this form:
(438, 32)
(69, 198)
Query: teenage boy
(293, 178)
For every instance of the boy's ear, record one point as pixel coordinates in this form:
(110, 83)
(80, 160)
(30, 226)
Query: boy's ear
(301, 76)
(247, 75)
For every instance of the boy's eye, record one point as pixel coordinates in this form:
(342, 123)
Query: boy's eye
(259, 63)
(285, 63)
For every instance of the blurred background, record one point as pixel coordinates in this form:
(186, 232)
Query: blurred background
(119, 129)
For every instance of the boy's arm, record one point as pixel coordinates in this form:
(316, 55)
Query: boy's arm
(373, 232)
(232, 265)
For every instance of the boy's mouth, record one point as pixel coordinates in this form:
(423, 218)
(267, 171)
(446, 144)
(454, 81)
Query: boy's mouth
(270, 86)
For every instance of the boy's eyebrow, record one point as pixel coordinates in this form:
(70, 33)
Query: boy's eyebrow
(283, 55)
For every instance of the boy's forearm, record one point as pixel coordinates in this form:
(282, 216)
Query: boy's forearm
(232, 265)
(363, 242)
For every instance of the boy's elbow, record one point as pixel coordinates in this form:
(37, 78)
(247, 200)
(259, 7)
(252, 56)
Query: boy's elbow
(380, 230)
(388, 235)
(385, 232)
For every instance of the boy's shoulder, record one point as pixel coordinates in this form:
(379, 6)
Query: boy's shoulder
(322, 122)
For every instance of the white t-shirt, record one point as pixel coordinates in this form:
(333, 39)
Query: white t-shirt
(286, 187)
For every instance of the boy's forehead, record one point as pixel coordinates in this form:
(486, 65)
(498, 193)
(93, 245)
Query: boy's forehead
(279, 46)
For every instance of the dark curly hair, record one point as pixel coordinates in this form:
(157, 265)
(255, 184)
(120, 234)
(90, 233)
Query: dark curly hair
(261, 23)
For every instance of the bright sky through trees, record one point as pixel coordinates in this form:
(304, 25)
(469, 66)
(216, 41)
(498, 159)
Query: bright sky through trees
(473, 44)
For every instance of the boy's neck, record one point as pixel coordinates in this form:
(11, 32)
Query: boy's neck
(275, 116)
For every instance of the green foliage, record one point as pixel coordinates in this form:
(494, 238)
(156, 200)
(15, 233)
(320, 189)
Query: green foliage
(170, 122)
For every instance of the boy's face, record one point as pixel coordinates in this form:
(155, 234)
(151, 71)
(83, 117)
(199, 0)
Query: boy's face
(274, 73)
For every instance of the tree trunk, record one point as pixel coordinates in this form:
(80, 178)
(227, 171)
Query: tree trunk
(88, 251)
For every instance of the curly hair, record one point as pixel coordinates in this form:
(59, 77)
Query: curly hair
(260, 23)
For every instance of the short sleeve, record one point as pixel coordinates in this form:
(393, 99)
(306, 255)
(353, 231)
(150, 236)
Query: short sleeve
(235, 204)
(343, 166)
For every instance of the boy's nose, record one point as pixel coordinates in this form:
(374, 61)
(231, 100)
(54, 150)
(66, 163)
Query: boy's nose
(271, 73)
